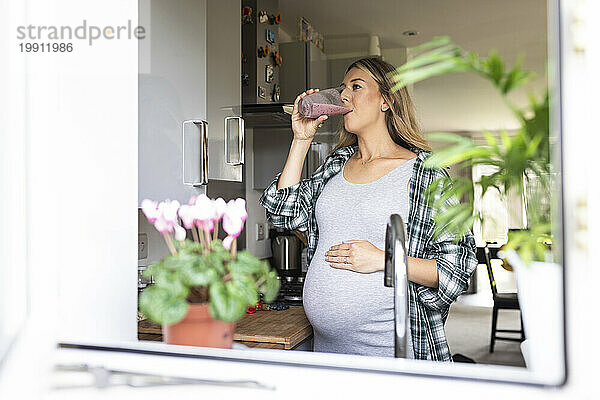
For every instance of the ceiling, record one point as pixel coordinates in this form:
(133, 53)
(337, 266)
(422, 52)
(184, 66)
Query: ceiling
(510, 26)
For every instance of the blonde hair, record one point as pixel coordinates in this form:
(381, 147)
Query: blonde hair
(400, 117)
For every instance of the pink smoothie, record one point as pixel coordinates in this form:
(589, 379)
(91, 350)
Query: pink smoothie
(316, 110)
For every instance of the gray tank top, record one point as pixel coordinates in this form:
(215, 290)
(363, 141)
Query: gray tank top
(353, 312)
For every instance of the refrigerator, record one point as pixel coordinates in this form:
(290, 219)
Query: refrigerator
(304, 66)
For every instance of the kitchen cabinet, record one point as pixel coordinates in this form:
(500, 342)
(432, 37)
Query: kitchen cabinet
(190, 126)
(224, 90)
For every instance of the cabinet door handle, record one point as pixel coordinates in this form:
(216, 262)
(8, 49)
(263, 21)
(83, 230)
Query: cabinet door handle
(240, 142)
(195, 152)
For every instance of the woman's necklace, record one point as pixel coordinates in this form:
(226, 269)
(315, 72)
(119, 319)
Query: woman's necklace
(366, 162)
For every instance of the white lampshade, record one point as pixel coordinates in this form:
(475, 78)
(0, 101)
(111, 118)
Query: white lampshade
(374, 49)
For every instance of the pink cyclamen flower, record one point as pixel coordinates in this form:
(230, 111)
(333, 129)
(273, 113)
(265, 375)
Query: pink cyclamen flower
(234, 217)
(187, 214)
(237, 207)
(241, 206)
(228, 241)
(220, 207)
(233, 224)
(192, 200)
(180, 233)
(167, 218)
(150, 210)
(169, 210)
(203, 209)
(162, 225)
(206, 225)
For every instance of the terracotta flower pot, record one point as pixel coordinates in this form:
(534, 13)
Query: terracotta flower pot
(198, 328)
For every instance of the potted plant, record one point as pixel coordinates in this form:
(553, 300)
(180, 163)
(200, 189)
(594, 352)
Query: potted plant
(521, 167)
(204, 285)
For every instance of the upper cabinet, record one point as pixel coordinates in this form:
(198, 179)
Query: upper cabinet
(190, 130)
(224, 90)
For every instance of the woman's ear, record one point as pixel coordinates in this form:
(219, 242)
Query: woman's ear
(385, 107)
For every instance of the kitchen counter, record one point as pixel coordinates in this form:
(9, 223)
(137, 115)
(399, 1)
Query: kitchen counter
(284, 329)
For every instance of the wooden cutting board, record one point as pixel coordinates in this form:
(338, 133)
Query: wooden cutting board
(266, 329)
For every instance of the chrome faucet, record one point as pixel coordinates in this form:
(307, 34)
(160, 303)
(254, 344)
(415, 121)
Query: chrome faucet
(396, 276)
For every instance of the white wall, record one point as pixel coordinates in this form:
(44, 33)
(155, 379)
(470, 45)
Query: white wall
(13, 175)
(82, 162)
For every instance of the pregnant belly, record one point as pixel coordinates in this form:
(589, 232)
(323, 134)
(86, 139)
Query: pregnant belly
(343, 303)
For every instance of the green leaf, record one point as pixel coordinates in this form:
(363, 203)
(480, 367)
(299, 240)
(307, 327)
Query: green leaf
(494, 67)
(179, 260)
(490, 139)
(245, 267)
(448, 137)
(435, 42)
(270, 287)
(195, 275)
(439, 54)
(455, 221)
(173, 312)
(225, 305)
(170, 281)
(410, 77)
(161, 306)
(216, 260)
(244, 287)
(531, 244)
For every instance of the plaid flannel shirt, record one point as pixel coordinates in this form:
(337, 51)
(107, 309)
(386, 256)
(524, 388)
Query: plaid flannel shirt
(293, 208)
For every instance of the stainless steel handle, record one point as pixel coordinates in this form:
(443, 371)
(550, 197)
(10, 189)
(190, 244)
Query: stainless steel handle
(195, 136)
(396, 276)
(240, 146)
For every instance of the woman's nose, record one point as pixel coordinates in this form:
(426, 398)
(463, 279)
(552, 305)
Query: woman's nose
(344, 96)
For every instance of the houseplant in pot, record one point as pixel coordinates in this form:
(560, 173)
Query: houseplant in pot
(521, 166)
(204, 285)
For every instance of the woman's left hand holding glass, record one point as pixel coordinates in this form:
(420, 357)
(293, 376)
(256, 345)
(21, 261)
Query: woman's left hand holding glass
(356, 255)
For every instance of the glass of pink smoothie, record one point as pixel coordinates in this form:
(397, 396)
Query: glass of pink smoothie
(323, 102)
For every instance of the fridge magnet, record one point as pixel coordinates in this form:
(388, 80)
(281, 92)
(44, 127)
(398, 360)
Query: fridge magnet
(305, 30)
(277, 60)
(275, 19)
(317, 40)
(276, 93)
(263, 17)
(270, 36)
(245, 79)
(263, 51)
(247, 15)
(269, 73)
(262, 93)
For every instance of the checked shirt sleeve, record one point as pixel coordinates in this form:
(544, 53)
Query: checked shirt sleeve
(456, 261)
(288, 207)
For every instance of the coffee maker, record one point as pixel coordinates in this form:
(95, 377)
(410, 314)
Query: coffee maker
(287, 260)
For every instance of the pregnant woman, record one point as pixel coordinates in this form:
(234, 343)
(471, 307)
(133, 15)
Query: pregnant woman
(375, 170)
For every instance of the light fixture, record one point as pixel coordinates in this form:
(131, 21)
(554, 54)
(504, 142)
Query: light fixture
(410, 33)
(374, 48)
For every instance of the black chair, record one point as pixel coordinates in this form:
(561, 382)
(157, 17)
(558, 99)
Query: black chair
(502, 301)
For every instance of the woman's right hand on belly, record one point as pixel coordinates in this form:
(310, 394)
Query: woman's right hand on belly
(305, 128)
